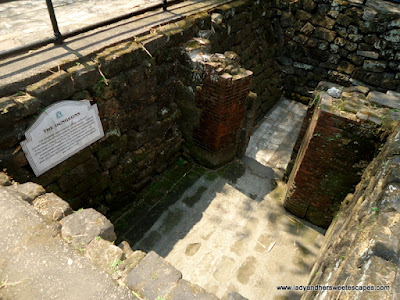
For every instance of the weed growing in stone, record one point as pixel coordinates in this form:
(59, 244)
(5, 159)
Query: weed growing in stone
(5, 283)
(375, 209)
(114, 265)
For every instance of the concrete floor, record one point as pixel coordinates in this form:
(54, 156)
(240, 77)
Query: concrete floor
(26, 21)
(234, 235)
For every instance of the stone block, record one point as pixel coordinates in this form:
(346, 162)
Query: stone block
(79, 175)
(393, 93)
(303, 15)
(346, 67)
(392, 36)
(52, 206)
(287, 19)
(309, 5)
(15, 108)
(83, 226)
(233, 296)
(116, 59)
(153, 277)
(104, 255)
(186, 290)
(56, 87)
(131, 262)
(324, 34)
(302, 66)
(369, 14)
(372, 78)
(344, 20)
(374, 66)
(382, 99)
(307, 29)
(85, 75)
(4, 179)
(27, 191)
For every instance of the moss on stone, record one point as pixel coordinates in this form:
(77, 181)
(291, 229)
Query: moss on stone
(211, 176)
(172, 219)
(232, 171)
(192, 200)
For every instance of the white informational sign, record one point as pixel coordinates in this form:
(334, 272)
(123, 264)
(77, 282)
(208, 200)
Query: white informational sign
(61, 131)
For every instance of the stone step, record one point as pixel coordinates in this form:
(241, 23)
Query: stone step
(272, 143)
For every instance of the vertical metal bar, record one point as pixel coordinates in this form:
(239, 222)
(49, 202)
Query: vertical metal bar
(53, 19)
(164, 4)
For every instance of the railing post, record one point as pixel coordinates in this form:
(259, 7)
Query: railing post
(164, 4)
(53, 19)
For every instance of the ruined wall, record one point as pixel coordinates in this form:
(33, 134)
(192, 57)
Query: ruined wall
(138, 86)
(362, 244)
(247, 30)
(339, 41)
(343, 135)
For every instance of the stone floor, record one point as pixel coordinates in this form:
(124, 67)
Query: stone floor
(233, 233)
(26, 21)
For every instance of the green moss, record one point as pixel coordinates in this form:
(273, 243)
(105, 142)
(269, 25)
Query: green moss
(211, 176)
(192, 200)
(173, 218)
(232, 171)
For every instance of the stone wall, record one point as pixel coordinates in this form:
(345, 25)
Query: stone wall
(135, 97)
(362, 244)
(340, 41)
(144, 90)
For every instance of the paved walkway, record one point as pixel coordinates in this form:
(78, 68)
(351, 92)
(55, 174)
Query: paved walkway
(234, 234)
(24, 69)
(36, 264)
(27, 21)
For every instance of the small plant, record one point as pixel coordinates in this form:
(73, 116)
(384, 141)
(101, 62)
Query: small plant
(138, 296)
(5, 283)
(181, 162)
(160, 298)
(375, 209)
(98, 238)
(98, 87)
(330, 139)
(114, 265)
(317, 134)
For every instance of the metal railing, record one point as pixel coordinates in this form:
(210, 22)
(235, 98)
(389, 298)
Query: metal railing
(58, 37)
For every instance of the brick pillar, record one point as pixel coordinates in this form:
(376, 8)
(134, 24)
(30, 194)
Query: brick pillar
(222, 100)
(329, 164)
